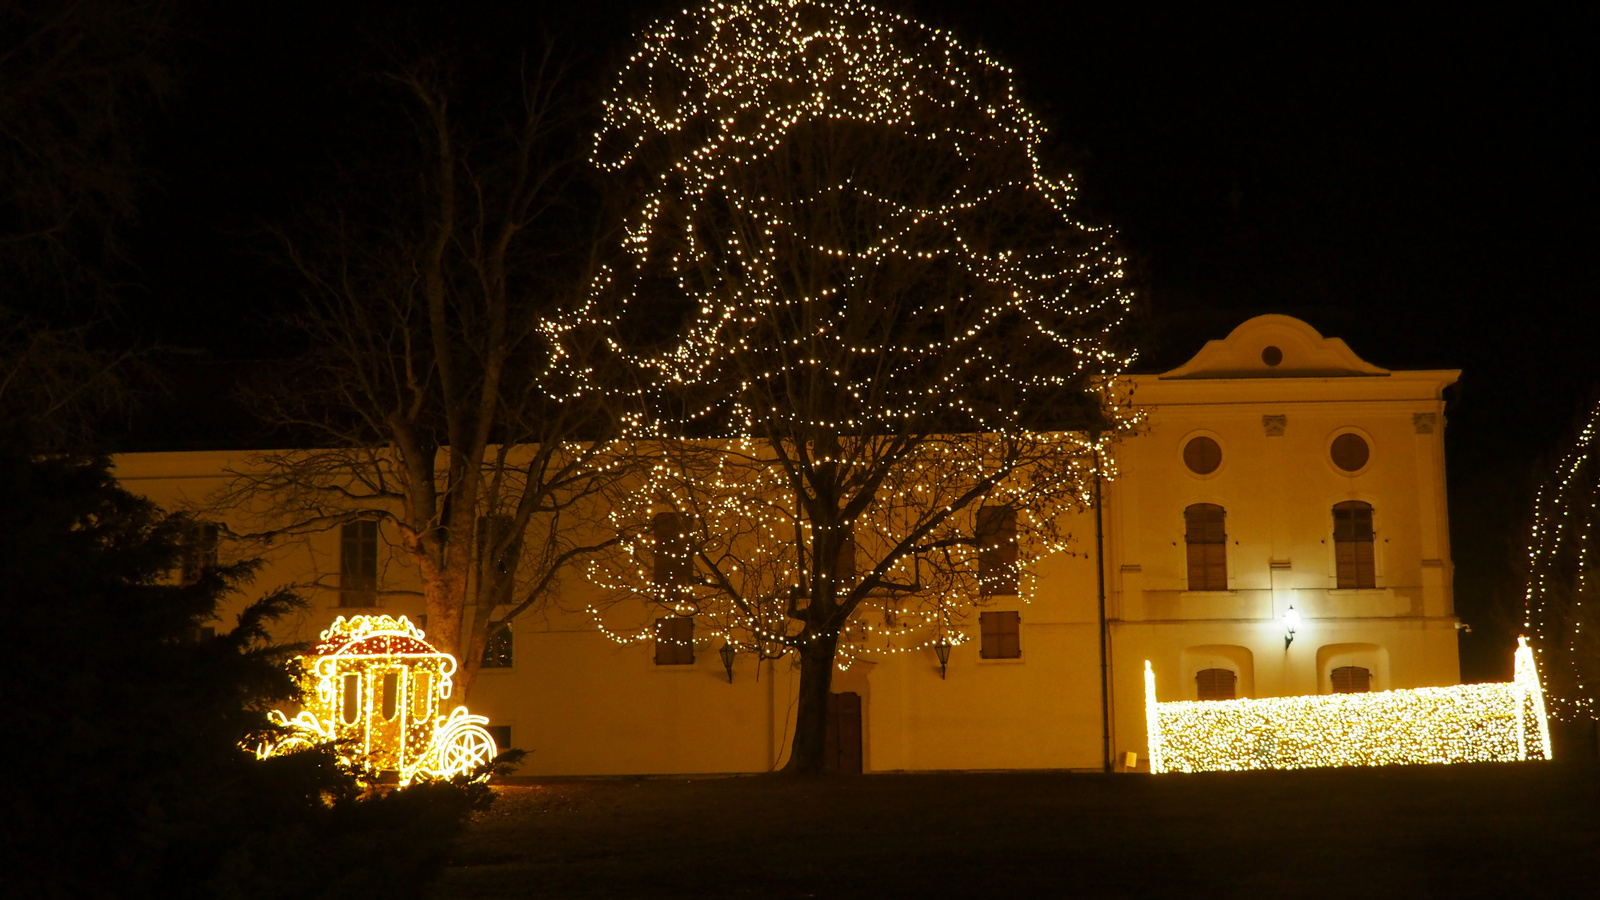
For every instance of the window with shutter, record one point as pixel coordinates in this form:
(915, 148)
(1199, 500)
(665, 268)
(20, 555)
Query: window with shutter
(997, 551)
(675, 641)
(198, 551)
(1001, 635)
(497, 650)
(1205, 536)
(1351, 680)
(672, 563)
(1353, 540)
(501, 735)
(846, 570)
(497, 556)
(358, 564)
(1216, 684)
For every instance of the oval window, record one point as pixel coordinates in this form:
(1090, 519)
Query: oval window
(1202, 455)
(1272, 356)
(1350, 452)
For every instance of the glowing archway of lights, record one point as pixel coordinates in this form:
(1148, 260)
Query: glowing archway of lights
(1501, 722)
(374, 686)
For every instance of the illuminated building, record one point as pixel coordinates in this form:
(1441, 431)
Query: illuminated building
(1319, 486)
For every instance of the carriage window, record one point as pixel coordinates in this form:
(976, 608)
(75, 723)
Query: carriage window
(352, 698)
(1351, 680)
(1353, 544)
(391, 695)
(1204, 531)
(421, 693)
(1216, 684)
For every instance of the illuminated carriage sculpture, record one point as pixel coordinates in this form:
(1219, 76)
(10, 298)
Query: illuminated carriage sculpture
(374, 685)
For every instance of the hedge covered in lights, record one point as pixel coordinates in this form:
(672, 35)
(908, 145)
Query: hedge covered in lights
(1464, 723)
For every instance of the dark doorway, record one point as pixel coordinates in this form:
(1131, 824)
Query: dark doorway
(843, 753)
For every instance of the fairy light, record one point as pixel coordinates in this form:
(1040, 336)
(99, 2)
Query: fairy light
(1464, 723)
(354, 664)
(710, 115)
(1565, 635)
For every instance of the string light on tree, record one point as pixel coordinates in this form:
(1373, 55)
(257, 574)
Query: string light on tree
(864, 314)
(1560, 612)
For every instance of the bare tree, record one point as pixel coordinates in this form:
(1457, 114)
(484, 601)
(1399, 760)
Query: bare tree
(888, 333)
(437, 393)
(76, 79)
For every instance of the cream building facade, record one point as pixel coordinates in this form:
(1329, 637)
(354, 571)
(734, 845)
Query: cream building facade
(1274, 470)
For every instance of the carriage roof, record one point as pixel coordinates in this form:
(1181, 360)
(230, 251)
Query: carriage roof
(370, 636)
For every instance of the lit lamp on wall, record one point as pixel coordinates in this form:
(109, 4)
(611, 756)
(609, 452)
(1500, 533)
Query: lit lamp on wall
(942, 650)
(726, 653)
(1291, 621)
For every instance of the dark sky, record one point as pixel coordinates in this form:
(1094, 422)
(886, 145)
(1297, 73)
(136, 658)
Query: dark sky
(1409, 181)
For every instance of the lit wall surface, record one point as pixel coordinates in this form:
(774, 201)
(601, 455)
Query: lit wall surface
(1463, 723)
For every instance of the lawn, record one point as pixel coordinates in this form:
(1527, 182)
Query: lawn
(1506, 830)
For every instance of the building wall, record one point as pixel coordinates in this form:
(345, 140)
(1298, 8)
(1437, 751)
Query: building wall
(583, 703)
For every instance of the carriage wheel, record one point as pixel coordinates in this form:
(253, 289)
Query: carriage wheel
(466, 749)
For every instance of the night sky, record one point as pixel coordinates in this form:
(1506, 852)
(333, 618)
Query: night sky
(1408, 181)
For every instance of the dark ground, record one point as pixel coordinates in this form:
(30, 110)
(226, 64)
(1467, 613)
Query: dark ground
(1504, 830)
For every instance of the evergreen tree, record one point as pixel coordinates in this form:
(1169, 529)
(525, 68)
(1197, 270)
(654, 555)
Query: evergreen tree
(125, 722)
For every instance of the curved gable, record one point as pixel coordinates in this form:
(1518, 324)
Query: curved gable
(1302, 352)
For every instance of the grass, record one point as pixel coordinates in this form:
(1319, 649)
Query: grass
(1506, 830)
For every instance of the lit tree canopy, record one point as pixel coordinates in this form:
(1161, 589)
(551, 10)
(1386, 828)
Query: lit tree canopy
(869, 326)
(846, 213)
(1563, 596)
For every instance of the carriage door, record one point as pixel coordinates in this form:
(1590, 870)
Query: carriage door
(388, 717)
(843, 750)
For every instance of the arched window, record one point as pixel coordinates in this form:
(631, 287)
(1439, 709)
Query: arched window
(1207, 540)
(1351, 680)
(1216, 684)
(1352, 544)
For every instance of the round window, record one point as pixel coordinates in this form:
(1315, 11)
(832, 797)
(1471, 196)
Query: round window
(1272, 356)
(1350, 452)
(1202, 455)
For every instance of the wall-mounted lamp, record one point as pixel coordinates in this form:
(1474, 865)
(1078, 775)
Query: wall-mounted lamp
(942, 650)
(726, 653)
(1291, 621)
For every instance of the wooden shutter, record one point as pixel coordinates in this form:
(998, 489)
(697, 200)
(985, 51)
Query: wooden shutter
(498, 553)
(498, 649)
(672, 563)
(1353, 540)
(358, 563)
(199, 550)
(997, 551)
(1216, 684)
(1001, 635)
(675, 641)
(1206, 539)
(842, 747)
(1351, 680)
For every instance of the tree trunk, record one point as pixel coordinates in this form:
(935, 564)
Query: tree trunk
(807, 754)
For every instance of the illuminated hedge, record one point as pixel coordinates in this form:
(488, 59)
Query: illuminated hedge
(1464, 723)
